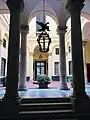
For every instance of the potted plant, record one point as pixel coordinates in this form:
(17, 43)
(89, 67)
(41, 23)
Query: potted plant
(70, 80)
(43, 81)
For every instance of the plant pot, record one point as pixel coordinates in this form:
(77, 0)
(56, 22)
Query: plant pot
(43, 85)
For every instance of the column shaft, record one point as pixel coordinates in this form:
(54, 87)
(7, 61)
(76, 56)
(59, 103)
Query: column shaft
(23, 61)
(79, 97)
(50, 65)
(13, 54)
(63, 82)
(30, 65)
(84, 60)
(10, 102)
(22, 81)
(77, 55)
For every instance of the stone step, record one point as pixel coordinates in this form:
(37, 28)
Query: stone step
(49, 114)
(45, 100)
(45, 106)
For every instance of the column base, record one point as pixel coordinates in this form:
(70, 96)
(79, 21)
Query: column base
(81, 104)
(10, 107)
(22, 88)
(64, 87)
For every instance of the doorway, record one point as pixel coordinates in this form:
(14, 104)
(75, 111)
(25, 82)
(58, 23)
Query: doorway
(40, 68)
(40, 63)
(3, 64)
(88, 72)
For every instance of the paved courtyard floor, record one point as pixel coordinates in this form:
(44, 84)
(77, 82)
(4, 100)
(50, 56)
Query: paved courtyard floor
(53, 90)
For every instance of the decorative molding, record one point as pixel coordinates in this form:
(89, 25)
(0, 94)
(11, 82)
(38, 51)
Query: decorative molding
(40, 56)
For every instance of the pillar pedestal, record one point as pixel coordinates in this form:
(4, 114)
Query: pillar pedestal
(10, 107)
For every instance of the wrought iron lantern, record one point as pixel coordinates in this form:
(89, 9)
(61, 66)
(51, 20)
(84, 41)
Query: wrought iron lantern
(44, 42)
(43, 39)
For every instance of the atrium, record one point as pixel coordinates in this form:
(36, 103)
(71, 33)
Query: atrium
(67, 26)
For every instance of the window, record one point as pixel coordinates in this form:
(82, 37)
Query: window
(56, 68)
(3, 63)
(57, 51)
(38, 18)
(4, 43)
(70, 67)
(37, 26)
(69, 49)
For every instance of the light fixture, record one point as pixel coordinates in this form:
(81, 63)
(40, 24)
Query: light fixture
(44, 42)
(43, 39)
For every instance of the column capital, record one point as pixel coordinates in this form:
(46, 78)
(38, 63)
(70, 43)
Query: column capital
(74, 5)
(15, 4)
(61, 29)
(24, 29)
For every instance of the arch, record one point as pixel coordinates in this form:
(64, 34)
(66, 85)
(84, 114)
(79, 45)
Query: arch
(47, 13)
(86, 15)
(39, 8)
(86, 31)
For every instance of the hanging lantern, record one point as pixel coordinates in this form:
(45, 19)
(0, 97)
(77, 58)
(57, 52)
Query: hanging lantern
(43, 39)
(44, 42)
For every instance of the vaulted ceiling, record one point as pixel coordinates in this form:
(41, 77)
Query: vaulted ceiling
(54, 8)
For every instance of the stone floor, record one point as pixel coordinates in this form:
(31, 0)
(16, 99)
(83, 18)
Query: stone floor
(52, 91)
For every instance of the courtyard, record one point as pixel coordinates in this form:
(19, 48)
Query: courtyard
(53, 90)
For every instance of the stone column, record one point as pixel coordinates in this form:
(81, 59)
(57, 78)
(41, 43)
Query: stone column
(63, 82)
(67, 66)
(50, 65)
(31, 65)
(23, 65)
(10, 102)
(84, 61)
(79, 96)
(0, 53)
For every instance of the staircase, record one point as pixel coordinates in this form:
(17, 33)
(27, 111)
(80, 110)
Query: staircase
(46, 108)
